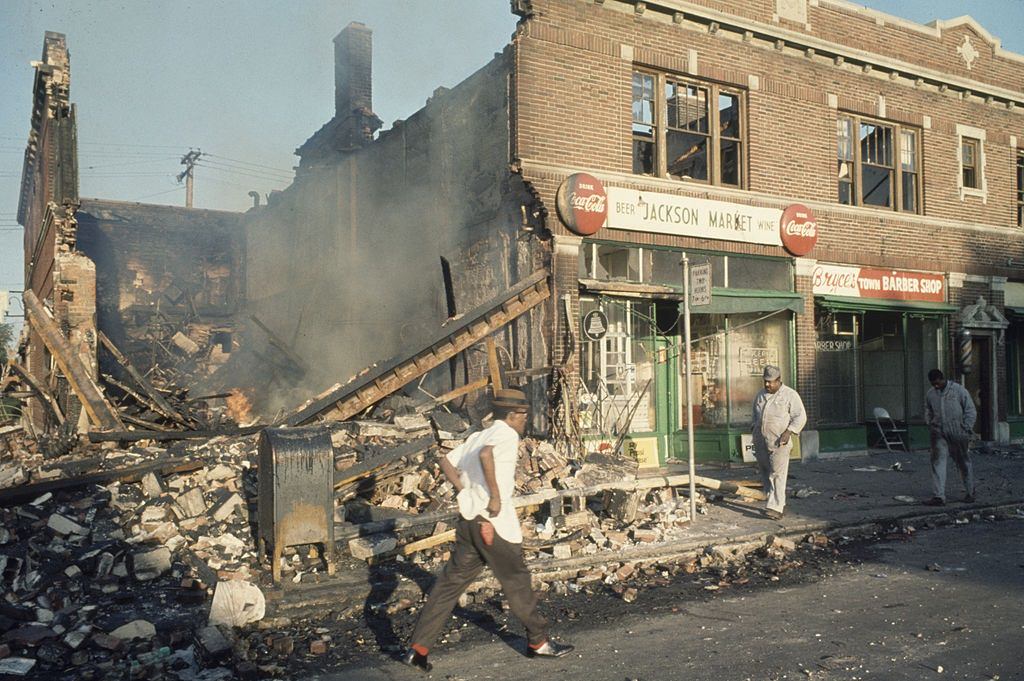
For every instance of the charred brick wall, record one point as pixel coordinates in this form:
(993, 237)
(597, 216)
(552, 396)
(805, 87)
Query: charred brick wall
(346, 264)
(161, 270)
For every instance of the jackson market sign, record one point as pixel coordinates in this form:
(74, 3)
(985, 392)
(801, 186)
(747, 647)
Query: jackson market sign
(868, 282)
(586, 206)
(688, 216)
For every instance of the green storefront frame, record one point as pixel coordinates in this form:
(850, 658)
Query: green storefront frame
(838, 438)
(721, 444)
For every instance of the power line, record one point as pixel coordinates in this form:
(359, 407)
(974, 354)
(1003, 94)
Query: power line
(221, 164)
(236, 171)
(149, 196)
(248, 163)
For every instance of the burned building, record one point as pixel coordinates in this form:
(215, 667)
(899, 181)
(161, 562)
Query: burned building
(853, 180)
(160, 285)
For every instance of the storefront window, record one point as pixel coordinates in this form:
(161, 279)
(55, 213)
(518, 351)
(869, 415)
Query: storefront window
(924, 338)
(882, 359)
(836, 348)
(618, 370)
(755, 341)
(875, 359)
(760, 273)
(707, 379)
(729, 355)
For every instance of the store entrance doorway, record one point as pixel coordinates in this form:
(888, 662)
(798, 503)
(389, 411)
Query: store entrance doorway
(979, 384)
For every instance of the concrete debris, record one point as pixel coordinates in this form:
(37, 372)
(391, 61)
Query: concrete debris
(135, 629)
(149, 565)
(237, 603)
(372, 545)
(191, 503)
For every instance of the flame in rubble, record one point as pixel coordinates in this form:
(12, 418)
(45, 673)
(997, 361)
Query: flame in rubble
(239, 407)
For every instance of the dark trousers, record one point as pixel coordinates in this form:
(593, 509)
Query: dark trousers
(468, 560)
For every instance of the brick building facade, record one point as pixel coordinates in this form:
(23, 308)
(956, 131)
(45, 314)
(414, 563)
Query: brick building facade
(903, 140)
(854, 181)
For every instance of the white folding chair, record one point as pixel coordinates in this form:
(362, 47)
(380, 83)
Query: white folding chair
(889, 434)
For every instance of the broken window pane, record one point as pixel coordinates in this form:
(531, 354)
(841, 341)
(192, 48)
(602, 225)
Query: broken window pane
(643, 124)
(687, 155)
(877, 184)
(729, 115)
(730, 160)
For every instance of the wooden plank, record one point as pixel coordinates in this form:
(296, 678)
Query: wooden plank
(639, 484)
(338, 402)
(370, 466)
(429, 542)
(22, 493)
(281, 346)
(453, 395)
(136, 435)
(100, 412)
(492, 364)
(163, 407)
(44, 395)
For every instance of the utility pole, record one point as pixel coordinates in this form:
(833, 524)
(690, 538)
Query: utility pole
(189, 161)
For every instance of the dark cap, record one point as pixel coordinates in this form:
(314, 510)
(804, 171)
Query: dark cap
(511, 399)
(771, 373)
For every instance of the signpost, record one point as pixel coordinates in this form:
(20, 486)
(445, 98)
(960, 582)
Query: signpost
(696, 291)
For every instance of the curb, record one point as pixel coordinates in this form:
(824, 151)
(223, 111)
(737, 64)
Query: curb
(353, 593)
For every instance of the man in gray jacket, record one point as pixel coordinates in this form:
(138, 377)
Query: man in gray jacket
(950, 414)
(779, 415)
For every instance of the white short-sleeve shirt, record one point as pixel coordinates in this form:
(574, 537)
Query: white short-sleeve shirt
(473, 499)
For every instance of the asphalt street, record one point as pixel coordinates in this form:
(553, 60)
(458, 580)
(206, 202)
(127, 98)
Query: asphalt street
(941, 603)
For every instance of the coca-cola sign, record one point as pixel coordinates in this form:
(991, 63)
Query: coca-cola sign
(583, 204)
(799, 229)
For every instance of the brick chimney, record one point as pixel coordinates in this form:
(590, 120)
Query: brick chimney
(353, 62)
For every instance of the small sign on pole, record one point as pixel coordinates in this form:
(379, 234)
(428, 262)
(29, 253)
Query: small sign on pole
(700, 284)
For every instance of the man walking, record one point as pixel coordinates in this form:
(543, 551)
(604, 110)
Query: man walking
(482, 470)
(778, 416)
(950, 415)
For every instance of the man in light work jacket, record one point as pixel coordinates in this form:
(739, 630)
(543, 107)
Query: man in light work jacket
(778, 417)
(483, 470)
(950, 414)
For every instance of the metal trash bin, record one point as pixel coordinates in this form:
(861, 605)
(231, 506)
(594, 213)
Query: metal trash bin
(296, 492)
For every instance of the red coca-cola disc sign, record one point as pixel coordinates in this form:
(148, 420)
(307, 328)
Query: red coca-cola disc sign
(582, 203)
(799, 229)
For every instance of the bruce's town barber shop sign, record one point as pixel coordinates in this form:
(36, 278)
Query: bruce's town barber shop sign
(586, 206)
(867, 282)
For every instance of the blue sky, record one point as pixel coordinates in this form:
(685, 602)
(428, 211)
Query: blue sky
(247, 81)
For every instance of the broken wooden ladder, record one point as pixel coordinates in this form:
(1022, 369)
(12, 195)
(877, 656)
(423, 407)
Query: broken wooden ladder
(341, 402)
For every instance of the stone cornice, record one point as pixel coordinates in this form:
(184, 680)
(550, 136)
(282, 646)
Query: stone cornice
(685, 13)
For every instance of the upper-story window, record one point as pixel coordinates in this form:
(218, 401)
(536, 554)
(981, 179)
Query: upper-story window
(970, 156)
(687, 130)
(1020, 187)
(878, 164)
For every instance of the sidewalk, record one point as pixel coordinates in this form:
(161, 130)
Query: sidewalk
(823, 495)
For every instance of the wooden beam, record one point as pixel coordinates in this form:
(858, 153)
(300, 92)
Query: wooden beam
(48, 400)
(492, 364)
(453, 395)
(370, 466)
(281, 347)
(639, 484)
(429, 542)
(98, 410)
(136, 435)
(340, 402)
(163, 407)
(22, 493)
